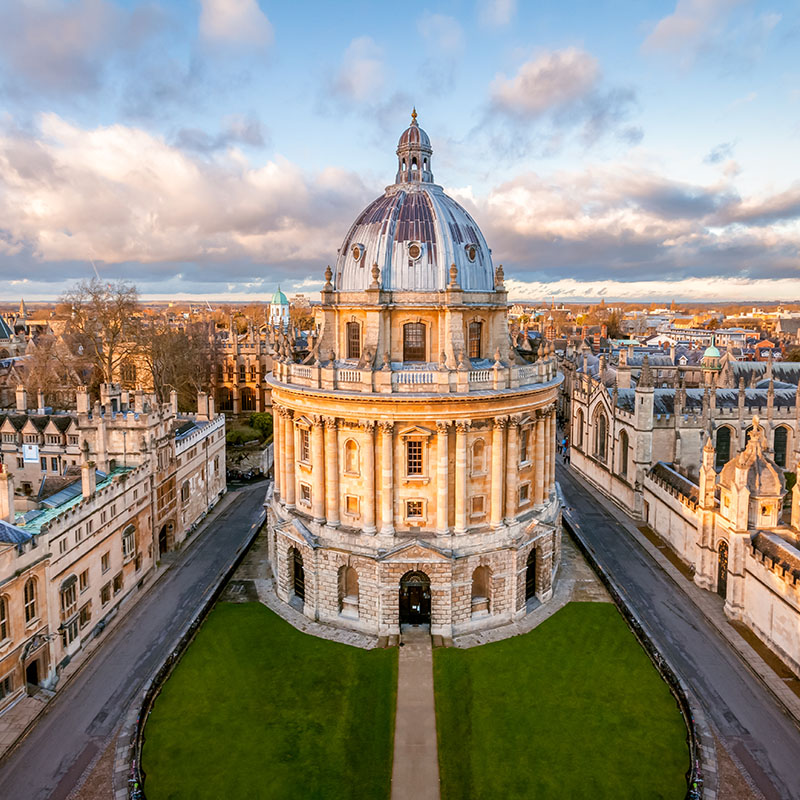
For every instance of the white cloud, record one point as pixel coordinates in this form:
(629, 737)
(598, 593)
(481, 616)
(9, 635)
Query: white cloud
(441, 32)
(235, 22)
(496, 13)
(551, 80)
(361, 73)
(690, 21)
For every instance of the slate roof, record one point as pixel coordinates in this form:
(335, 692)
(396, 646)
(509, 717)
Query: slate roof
(5, 331)
(774, 547)
(11, 534)
(664, 399)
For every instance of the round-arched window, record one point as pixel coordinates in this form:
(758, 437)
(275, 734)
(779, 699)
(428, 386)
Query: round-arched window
(414, 250)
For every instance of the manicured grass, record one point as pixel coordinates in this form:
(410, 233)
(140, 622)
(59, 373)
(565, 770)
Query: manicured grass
(573, 709)
(256, 709)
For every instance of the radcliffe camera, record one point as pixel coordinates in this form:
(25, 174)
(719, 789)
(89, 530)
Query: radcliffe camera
(399, 401)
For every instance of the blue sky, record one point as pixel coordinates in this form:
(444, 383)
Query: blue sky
(218, 147)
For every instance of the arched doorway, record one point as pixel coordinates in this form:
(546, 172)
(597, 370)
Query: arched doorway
(530, 576)
(163, 542)
(722, 570)
(415, 599)
(297, 574)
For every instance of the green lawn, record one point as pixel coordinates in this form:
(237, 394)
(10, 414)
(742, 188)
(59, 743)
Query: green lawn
(256, 709)
(573, 709)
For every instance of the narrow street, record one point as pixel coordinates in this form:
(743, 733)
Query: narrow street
(744, 714)
(84, 715)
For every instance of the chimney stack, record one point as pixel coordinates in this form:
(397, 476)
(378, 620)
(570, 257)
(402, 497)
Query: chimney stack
(22, 399)
(173, 402)
(202, 406)
(211, 411)
(6, 495)
(82, 399)
(88, 479)
(40, 402)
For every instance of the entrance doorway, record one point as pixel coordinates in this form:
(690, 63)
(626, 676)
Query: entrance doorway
(162, 541)
(415, 599)
(530, 576)
(32, 673)
(722, 570)
(298, 575)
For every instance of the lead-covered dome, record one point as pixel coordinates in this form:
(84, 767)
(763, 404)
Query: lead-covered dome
(414, 232)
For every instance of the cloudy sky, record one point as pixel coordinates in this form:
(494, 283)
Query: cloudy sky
(218, 147)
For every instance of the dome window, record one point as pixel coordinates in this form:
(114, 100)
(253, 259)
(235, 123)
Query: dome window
(472, 251)
(414, 250)
(357, 251)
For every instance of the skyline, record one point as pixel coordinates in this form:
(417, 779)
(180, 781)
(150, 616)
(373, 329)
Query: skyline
(221, 148)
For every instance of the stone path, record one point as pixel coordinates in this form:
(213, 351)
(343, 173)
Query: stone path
(415, 771)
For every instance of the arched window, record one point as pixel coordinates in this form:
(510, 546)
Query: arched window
(414, 164)
(29, 597)
(348, 591)
(128, 372)
(425, 163)
(351, 459)
(623, 454)
(5, 630)
(530, 575)
(481, 591)
(242, 373)
(414, 341)
(474, 339)
(185, 492)
(248, 397)
(353, 340)
(578, 437)
(781, 440)
(478, 457)
(723, 446)
(225, 399)
(600, 436)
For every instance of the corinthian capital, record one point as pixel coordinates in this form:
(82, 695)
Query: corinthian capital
(386, 426)
(463, 425)
(500, 422)
(442, 426)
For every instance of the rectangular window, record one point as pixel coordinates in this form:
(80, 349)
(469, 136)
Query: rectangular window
(414, 458)
(62, 546)
(105, 594)
(524, 493)
(89, 526)
(305, 445)
(78, 534)
(20, 462)
(83, 580)
(414, 509)
(474, 344)
(53, 438)
(72, 439)
(69, 601)
(353, 340)
(128, 542)
(351, 505)
(305, 494)
(105, 562)
(70, 632)
(524, 437)
(414, 341)
(43, 463)
(478, 506)
(85, 615)
(54, 464)
(6, 686)
(9, 438)
(103, 516)
(118, 583)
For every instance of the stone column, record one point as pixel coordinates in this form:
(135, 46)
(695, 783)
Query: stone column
(538, 457)
(462, 426)
(512, 469)
(553, 438)
(442, 477)
(498, 473)
(369, 477)
(548, 454)
(331, 472)
(288, 456)
(387, 477)
(277, 452)
(317, 471)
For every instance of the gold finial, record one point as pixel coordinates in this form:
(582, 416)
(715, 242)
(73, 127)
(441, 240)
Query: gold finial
(414, 115)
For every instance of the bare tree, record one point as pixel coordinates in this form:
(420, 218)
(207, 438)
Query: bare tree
(105, 322)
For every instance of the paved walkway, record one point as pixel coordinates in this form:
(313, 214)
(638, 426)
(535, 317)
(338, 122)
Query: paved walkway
(415, 771)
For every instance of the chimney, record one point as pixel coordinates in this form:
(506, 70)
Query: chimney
(202, 406)
(6, 495)
(211, 411)
(138, 400)
(82, 400)
(173, 402)
(88, 479)
(40, 402)
(22, 399)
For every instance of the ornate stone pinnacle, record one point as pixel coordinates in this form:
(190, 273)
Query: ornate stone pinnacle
(499, 278)
(453, 276)
(376, 274)
(328, 275)
(386, 361)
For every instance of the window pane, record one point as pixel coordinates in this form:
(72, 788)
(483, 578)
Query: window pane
(413, 341)
(475, 339)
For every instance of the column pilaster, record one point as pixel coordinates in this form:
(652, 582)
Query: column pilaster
(317, 471)
(538, 484)
(331, 472)
(548, 451)
(387, 476)
(462, 426)
(369, 477)
(288, 458)
(277, 451)
(442, 477)
(498, 435)
(553, 437)
(512, 469)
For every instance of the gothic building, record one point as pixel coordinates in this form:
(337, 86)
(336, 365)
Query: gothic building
(414, 446)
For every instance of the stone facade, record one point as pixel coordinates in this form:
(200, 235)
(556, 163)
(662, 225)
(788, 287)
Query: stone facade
(728, 529)
(414, 447)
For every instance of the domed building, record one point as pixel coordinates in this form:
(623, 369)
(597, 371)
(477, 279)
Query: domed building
(279, 310)
(414, 447)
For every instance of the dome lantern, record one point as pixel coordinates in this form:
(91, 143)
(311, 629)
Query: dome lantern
(414, 154)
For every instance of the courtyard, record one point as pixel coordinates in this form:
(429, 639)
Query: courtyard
(572, 709)
(257, 708)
